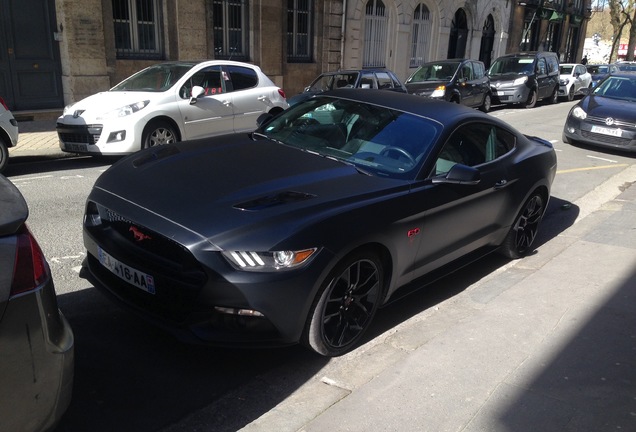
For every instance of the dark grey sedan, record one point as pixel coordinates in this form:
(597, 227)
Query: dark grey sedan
(36, 341)
(606, 117)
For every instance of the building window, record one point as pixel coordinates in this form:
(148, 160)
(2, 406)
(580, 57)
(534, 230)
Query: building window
(230, 29)
(299, 18)
(375, 33)
(137, 28)
(420, 38)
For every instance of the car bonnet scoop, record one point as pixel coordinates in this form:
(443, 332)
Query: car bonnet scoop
(268, 201)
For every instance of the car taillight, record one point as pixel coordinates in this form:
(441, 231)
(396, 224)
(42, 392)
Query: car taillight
(30, 270)
(282, 93)
(4, 104)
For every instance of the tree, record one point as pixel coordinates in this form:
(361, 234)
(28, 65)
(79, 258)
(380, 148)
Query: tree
(621, 16)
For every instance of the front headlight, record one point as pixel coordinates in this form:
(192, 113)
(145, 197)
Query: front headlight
(124, 111)
(564, 82)
(579, 113)
(439, 92)
(520, 81)
(269, 261)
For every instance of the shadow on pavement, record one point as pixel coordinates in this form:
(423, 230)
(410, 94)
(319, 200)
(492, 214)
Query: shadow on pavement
(48, 163)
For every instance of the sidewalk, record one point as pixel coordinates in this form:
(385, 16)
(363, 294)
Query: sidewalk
(36, 137)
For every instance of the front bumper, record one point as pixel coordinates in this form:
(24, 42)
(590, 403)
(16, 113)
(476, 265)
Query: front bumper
(592, 131)
(98, 139)
(510, 95)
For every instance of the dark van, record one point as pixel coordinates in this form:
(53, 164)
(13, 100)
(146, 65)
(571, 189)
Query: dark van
(525, 78)
(461, 81)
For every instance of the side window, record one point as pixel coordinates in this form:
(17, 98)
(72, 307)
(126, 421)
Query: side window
(553, 64)
(241, 77)
(542, 67)
(472, 145)
(396, 82)
(208, 78)
(384, 80)
(366, 81)
(467, 71)
(478, 70)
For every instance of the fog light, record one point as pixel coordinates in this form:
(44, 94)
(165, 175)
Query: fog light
(571, 129)
(239, 312)
(117, 136)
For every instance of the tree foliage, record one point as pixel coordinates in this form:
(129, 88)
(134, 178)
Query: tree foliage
(622, 15)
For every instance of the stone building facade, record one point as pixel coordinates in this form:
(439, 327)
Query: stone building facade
(94, 44)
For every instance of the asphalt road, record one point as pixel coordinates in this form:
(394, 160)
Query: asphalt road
(132, 377)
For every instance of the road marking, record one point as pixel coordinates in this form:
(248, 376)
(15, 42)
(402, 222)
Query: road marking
(603, 159)
(30, 178)
(71, 177)
(591, 168)
(58, 260)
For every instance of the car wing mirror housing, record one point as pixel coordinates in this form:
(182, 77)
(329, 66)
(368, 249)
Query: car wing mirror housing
(197, 91)
(459, 174)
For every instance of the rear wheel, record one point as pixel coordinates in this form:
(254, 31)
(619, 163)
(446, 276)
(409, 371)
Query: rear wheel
(345, 305)
(158, 133)
(532, 99)
(523, 232)
(554, 98)
(4, 155)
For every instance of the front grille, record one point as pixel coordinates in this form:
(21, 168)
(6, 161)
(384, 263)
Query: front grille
(616, 123)
(84, 134)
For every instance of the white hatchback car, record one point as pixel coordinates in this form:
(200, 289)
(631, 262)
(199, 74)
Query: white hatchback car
(573, 77)
(170, 102)
(8, 133)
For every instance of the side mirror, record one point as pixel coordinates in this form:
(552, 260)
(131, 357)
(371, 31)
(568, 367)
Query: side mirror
(585, 91)
(197, 91)
(459, 174)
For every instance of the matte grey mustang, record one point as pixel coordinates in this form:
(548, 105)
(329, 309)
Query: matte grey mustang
(299, 231)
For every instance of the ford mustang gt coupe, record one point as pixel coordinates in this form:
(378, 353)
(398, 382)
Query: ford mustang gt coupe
(300, 230)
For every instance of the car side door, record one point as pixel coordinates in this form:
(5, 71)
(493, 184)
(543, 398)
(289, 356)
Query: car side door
(466, 84)
(461, 217)
(543, 80)
(209, 113)
(249, 100)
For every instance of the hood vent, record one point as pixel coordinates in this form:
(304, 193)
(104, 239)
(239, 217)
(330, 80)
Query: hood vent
(265, 202)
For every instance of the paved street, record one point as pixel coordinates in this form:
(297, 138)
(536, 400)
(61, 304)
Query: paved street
(547, 343)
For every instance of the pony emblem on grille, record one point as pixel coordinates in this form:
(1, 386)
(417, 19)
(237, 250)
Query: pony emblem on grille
(138, 235)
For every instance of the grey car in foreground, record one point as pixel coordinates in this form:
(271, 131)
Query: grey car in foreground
(606, 117)
(36, 341)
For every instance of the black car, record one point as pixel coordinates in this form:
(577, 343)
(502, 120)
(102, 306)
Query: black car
(382, 79)
(36, 341)
(299, 231)
(600, 71)
(461, 81)
(606, 117)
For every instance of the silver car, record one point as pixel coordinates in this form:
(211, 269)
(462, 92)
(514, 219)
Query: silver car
(170, 102)
(8, 133)
(36, 341)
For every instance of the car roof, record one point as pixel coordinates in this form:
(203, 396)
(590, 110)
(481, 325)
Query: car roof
(442, 111)
(207, 63)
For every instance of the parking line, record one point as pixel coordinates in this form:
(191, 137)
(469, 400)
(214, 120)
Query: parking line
(591, 168)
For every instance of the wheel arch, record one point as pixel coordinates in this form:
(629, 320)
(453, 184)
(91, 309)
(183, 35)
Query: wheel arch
(166, 119)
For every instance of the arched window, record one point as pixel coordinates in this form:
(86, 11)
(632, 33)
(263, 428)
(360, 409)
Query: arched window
(487, 41)
(420, 41)
(458, 35)
(375, 32)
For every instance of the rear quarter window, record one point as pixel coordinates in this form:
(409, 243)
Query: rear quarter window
(242, 78)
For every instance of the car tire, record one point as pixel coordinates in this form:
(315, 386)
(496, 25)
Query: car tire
(554, 98)
(571, 94)
(532, 99)
(158, 132)
(485, 106)
(518, 243)
(4, 155)
(345, 305)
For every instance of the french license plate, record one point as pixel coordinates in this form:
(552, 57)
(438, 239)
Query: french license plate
(75, 147)
(607, 131)
(131, 275)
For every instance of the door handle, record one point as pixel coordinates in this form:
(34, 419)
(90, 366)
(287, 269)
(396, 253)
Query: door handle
(227, 102)
(262, 98)
(501, 184)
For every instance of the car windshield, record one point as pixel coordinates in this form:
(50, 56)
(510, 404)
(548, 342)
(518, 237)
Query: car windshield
(518, 65)
(377, 140)
(331, 81)
(618, 88)
(434, 72)
(565, 69)
(157, 78)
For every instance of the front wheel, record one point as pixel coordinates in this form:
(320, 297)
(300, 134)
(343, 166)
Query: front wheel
(158, 133)
(571, 94)
(523, 232)
(345, 305)
(485, 106)
(532, 99)
(4, 155)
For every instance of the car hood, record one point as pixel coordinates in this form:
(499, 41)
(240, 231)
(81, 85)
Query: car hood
(600, 106)
(14, 208)
(232, 187)
(504, 77)
(107, 101)
(423, 86)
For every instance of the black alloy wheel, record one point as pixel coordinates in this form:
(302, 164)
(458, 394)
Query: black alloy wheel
(345, 306)
(158, 133)
(519, 241)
